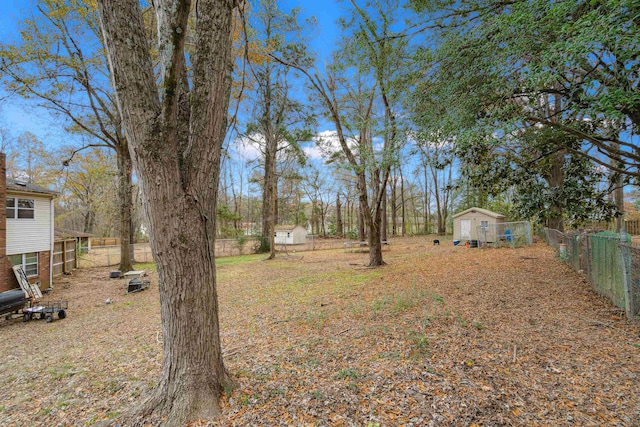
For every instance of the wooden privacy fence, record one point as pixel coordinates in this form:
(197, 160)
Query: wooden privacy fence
(632, 226)
(104, 241)
(65, 256)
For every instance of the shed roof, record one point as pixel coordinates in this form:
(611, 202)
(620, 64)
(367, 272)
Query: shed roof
(482, 211)
(27, 187)
(65, 232)
(286, 227)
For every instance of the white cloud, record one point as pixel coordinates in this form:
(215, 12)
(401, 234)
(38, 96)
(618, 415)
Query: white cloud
(312, 152)
(244, 148)
(326, 144)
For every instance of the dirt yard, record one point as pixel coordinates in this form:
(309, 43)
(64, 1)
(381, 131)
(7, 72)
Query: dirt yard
(441, 336)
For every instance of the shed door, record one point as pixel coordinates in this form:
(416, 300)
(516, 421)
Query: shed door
(465, 229)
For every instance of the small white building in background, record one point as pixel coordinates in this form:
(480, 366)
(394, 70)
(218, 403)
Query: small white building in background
(290, 235)
(465, 223)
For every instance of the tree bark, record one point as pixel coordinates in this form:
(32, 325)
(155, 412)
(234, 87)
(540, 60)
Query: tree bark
(618, 192)
(125, 201)
(384, 216)
(361, 232)
(339, 226)
(89, 221)
(179, 183)
(402, 203)
(375, 234)
(394, 207)
(268, 199)
(555, 179)
(427, 200)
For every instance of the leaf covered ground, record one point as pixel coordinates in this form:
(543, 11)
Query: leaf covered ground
(440, 336)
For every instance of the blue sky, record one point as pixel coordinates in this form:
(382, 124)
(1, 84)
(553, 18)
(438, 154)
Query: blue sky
(20, 116)
(15, 113)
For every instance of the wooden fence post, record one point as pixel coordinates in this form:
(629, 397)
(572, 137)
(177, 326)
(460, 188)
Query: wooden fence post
(64, 256)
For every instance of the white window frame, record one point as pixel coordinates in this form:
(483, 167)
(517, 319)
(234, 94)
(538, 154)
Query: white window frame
(24, 264)
(15, 209)
(484, 225)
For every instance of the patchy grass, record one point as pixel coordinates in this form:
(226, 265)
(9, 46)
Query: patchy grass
(150, 267)
(238, 260)
(441, 335)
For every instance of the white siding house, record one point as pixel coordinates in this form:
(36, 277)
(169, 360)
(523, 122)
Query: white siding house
(290, 235)
(28, 232)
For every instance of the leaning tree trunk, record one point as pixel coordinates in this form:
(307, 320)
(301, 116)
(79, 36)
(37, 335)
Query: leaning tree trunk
(125, 202)
(178, 172)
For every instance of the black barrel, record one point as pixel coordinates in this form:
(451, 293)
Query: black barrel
(10, 297)
(11, 301)
(473, 243)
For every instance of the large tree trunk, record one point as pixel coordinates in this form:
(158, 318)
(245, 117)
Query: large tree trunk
(361, 222)
(179, 175)
(384, 226)
(125, 201)
(269, 198)
(555, 179)
(375, 244)
(394, 207)
(439, 205)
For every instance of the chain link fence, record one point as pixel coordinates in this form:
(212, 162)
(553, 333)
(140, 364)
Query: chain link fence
(106, 256)
(509, 234)
(631, 255)
(608, 260)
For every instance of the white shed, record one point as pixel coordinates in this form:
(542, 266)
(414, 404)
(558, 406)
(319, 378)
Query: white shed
(290, 235)
(465, 223)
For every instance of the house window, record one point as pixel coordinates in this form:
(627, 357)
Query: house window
(484, 225)
(28, 261)
(20, 208)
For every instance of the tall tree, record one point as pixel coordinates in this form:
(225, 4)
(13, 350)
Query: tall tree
(86, 201)
(370, 58)
(175, 135)
(59, 63)
(552, 76)
(439, 157)
(278, 120)
(501, 65)
(378, 52)
(29, 163)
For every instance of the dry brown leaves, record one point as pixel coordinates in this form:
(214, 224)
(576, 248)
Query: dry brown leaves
(441, 336)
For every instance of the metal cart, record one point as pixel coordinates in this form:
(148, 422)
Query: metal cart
(46, 310)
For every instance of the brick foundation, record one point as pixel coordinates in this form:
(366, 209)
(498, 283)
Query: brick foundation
(10, 282)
